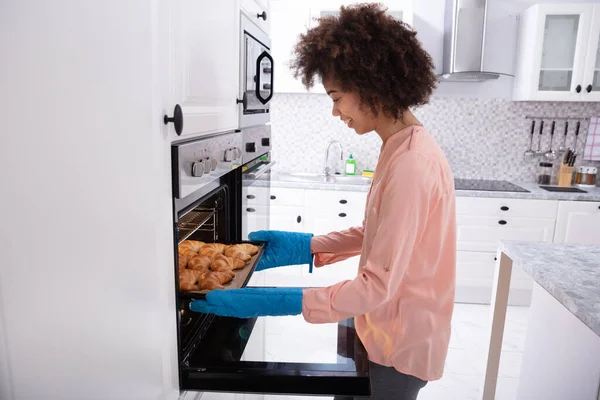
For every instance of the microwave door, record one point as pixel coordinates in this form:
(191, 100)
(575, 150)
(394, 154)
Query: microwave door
(258, 76)
(281, 355)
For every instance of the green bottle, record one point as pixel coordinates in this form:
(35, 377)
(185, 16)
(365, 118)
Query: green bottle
(350, 166)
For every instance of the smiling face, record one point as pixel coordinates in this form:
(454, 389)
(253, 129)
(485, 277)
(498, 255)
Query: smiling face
(347, 106)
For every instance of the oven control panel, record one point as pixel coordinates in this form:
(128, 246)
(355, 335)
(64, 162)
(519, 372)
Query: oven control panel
(197, 163)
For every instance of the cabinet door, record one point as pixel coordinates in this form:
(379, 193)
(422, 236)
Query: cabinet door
(254, 218)
(552, 51)
(290, 219)
(203, 72)
(578, 222)
(254, 9)
(591, 80)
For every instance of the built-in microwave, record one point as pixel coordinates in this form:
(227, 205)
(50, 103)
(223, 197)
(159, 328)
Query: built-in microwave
(256, 75)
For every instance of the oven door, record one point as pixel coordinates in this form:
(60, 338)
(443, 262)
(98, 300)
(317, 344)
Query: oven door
(278, 355)
(258, 79)
(256, 195)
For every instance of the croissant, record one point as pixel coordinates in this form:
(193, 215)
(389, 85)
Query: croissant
(190, 245)
(200, 263)
(218, 247)
(208, 280)
(224, 276)
(209, 252)
(187, 280)
(248, 248)
(183, 260)
(236, 253)
(221, 263)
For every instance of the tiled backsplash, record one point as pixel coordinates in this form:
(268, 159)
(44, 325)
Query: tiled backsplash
(482, 138)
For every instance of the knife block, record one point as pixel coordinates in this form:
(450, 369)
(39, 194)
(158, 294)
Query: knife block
(565, 175)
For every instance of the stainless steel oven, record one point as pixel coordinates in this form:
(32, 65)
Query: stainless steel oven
(219, 355)
(256, 75)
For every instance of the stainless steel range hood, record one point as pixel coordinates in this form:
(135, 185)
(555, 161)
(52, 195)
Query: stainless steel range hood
(464, 42)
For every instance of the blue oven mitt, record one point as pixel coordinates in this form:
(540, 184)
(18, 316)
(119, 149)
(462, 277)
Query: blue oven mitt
(285, 248)
(251, 302)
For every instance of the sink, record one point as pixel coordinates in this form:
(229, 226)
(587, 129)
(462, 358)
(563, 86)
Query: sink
(321, 178)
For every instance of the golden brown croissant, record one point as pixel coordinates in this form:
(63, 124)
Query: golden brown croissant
(209, 252)
(200, 263)
(236, 253)
(246, 248)
(190, 245)
(187, 280)
(183, 260)
(218, 247)
(224, 276)
(207, 280)
(221, 262)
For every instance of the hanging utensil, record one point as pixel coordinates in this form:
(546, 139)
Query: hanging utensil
(551, 154)
(539, 148)
(529, 152)
(576, 136)
(563, 146)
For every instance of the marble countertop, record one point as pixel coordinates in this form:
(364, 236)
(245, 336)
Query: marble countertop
(569, 272)
(593, 194)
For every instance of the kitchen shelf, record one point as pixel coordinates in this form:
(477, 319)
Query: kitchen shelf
(193, 221)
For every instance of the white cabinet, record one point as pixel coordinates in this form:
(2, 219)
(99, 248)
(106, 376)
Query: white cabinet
(558, 53)
(481, 224)
(293, 18)
(259, 12)
(286, 209)
(204, 74)
(578, 222)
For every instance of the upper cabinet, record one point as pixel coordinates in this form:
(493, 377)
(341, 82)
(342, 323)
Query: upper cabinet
(558, 55)
(204, 73)
(258, 11)
(292, 18)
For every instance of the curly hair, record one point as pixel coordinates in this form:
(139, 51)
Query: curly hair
(369, 52)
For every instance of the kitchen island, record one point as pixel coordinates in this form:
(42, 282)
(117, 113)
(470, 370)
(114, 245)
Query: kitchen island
(561, 358)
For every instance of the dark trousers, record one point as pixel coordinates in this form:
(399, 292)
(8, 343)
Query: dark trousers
(389, 384)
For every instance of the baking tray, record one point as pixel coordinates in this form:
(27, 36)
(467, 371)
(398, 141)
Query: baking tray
(242, 275)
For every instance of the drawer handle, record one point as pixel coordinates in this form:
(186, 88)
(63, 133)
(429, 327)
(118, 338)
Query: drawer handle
(273, 197)
(504, 208)
(343, 201)
(342, 215)
(250, 196)
(249, 209)
(495, 258)
(299, 219)
(502, 222)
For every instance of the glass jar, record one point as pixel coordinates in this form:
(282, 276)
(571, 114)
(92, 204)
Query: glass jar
(586, 176)
(544, 173)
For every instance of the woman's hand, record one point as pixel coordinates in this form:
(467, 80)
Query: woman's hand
(284, 248)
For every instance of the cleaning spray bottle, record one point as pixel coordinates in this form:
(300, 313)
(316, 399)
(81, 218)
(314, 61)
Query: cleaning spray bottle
(350, 166)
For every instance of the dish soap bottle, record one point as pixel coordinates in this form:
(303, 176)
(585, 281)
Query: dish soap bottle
(350, 166)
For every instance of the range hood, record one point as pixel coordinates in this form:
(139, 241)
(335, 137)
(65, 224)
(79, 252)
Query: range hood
(464, 42)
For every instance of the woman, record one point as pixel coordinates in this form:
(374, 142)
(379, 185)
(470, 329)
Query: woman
(375, 70)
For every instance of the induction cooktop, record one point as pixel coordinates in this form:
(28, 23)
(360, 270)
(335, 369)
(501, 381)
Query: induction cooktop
(487, 185)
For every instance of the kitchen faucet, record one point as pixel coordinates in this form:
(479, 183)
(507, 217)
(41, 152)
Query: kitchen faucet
(326, 170)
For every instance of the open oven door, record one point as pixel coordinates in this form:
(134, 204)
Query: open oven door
(278, 355)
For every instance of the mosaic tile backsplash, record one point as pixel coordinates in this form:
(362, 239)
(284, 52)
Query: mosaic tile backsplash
(482, 138)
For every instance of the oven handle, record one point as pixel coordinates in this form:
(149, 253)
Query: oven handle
(264, 54)
(260, 171)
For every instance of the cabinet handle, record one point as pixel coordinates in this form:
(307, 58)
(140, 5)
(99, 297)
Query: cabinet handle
(504, 208)
(263, 15)
(250, 196)
(578, 89)
(249, 209)
(589, 88)
(502, 222)
(342, 215)
(243, 101)
(176, 119)
(343, 201)
(299, 219)
(495, 258)
(273, 197)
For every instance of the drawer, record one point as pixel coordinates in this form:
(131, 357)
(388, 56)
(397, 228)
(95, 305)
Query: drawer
(485, 206)
(485, 233)
(255, 195)
(287, 197)
(329, 199)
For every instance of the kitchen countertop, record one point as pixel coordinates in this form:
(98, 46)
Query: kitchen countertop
(569, 272)
(593, 194)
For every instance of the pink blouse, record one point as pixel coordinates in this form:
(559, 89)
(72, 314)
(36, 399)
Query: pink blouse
(403, 295)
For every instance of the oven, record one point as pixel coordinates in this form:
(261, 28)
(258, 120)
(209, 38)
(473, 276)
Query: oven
(256, 74)
(251, 357)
